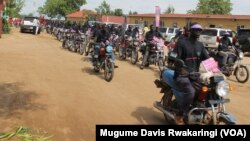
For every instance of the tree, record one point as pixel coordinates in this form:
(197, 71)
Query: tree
(30, 14)
(104, 9)
(13, 7)
(41, 10)
(135, 12)
(132, 13)
(118, 12)
(53, 8)
(169, 10)
(212, 7)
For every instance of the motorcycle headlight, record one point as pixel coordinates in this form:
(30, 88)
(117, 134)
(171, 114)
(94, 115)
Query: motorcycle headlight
(222, 88)
(109, 49)
(241, 55)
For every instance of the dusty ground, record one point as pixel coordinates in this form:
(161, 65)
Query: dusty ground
(45, 87)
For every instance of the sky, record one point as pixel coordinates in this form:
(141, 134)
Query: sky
(143, 6)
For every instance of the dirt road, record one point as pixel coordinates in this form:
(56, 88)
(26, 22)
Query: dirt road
(45, 87)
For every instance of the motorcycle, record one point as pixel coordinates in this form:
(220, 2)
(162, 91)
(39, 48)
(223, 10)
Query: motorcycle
(155, 55)
(208, 107)
(234, 64)
(125, 50)
(135, 49)
(104, 60)
(80, 43)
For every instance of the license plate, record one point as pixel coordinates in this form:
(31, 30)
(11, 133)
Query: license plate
(212, 102)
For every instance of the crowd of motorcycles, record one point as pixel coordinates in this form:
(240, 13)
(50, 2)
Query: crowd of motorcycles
(127, 47)
(208, 107)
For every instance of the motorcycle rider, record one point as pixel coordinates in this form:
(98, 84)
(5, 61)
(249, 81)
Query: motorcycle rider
(92, 30)
(135, 32)
(101, 36)
(128, 33)
(224, 47)
(192, 52)
(153, 32)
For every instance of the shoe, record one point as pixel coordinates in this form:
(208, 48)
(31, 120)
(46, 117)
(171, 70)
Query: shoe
(115, 66)
(179, 120)
(141, 67)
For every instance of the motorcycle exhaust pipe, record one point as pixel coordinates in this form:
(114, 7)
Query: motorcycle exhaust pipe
(159, 107)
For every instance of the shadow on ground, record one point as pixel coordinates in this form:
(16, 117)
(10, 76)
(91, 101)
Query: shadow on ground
(91, 71)
(14, 100)
(148, 116)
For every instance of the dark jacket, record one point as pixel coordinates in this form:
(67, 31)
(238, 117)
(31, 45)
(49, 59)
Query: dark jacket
(192, 53)
(224, 44)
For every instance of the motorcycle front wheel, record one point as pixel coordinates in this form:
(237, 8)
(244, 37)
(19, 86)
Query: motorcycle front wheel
(109, 71)
(81, 49)
(161, 63)
(242, 74)
(134, 56)
(166, 103)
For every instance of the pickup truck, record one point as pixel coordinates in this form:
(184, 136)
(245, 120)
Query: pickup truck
(28, 25)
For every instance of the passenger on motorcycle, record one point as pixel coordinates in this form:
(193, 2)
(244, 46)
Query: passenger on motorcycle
(224, 47)
(192, 52)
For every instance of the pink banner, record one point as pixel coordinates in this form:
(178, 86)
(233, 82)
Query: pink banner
(157, 16)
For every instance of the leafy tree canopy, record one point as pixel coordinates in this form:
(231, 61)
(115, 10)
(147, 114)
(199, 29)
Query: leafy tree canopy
(212, 7)
(53, 8)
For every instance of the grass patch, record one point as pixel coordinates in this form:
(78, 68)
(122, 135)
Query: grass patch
(25, 134)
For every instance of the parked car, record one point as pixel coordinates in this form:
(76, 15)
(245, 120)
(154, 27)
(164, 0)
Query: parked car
(210, 37)
(163, 31)
(242, 39)
(139, 26)
(27, 24)
(170, 33)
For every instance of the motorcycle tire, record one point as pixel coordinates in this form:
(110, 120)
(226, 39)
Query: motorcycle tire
(167, 102)
(241, 71)
(81, 51)
(161, 64)
(109, 71)
(134, 57)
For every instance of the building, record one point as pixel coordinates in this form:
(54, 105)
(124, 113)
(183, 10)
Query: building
(112, 19)
(2, 2)
(206, 20)
(81, 16)
(84, 15)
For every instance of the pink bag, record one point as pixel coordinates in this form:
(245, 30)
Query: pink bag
(211, 65)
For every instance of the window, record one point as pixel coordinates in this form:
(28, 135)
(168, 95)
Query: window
(212, 26)
(209, 32)
(162, 24)
(222, 32)
(171, 30)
